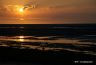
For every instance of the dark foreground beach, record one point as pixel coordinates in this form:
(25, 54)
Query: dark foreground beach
(15, 56)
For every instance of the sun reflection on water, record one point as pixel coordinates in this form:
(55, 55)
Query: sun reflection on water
(21, 38)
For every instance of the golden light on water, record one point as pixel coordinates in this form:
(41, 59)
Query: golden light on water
(21, 37)
(21, 40)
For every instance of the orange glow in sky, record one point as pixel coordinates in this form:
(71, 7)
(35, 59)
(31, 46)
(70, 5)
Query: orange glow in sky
(19, 10)
(47, 12)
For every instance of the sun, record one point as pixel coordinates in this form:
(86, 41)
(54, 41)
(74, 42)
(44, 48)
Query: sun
(21, 10)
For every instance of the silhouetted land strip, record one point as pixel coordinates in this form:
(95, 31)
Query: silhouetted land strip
(8, 54)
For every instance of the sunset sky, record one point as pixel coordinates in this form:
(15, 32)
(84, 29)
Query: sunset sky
(47, 11)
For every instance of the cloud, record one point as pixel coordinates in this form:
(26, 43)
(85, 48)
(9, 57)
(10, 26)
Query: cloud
(66, 10)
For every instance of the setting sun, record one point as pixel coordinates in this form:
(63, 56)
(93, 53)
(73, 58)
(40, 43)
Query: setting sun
(21, 10)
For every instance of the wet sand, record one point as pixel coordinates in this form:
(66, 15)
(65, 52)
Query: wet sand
(38, 57)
